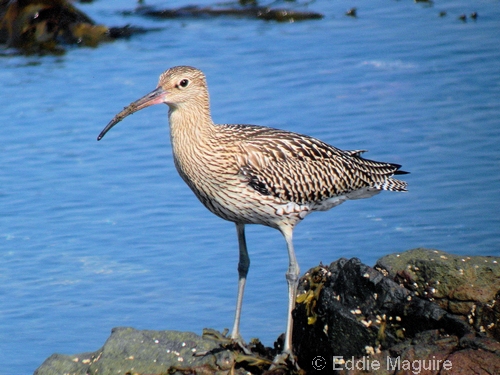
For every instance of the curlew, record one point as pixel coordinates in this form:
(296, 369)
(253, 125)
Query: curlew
(251, 174)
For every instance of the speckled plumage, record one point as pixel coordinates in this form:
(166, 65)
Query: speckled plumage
(251, 174)
(280, 168)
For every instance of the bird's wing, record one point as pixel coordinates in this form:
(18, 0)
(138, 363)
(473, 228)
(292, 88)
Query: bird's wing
(302, 169)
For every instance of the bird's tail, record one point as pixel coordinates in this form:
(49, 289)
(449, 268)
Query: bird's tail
(393, 184)
(381, 174)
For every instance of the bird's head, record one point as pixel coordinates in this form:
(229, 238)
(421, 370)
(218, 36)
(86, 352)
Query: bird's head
(178, 86)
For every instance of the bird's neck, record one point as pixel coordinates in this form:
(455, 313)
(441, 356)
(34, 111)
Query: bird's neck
(191, 131)
(190, 123)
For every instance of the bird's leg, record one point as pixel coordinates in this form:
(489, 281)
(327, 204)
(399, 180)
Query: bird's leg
(292, 278)
(243, 266)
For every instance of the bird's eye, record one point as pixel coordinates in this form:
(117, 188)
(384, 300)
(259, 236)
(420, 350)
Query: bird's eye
(184, 83)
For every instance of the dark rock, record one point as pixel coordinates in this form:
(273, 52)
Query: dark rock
(362, 316)
(361, 312)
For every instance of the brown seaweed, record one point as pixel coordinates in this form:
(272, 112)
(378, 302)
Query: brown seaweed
(252, 11)
(45, 26)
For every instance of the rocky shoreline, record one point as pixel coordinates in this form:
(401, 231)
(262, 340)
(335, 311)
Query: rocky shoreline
(422, 311)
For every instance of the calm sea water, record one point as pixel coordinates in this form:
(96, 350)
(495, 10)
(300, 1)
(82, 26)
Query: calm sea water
(97, 235)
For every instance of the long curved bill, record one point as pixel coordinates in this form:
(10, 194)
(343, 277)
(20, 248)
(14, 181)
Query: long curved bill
(154, 97)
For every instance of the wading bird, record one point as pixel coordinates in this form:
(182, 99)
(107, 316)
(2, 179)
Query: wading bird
(251, 174)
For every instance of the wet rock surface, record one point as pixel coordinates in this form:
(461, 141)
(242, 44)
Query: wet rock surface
(350, 319)
(466, 286)
(128, 349)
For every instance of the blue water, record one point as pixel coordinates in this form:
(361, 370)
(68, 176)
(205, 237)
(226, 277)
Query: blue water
(95, 235)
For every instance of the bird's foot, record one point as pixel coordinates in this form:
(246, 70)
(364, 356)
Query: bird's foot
(216, 335)
(226, 341)
(241, 344)
(254, 355)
